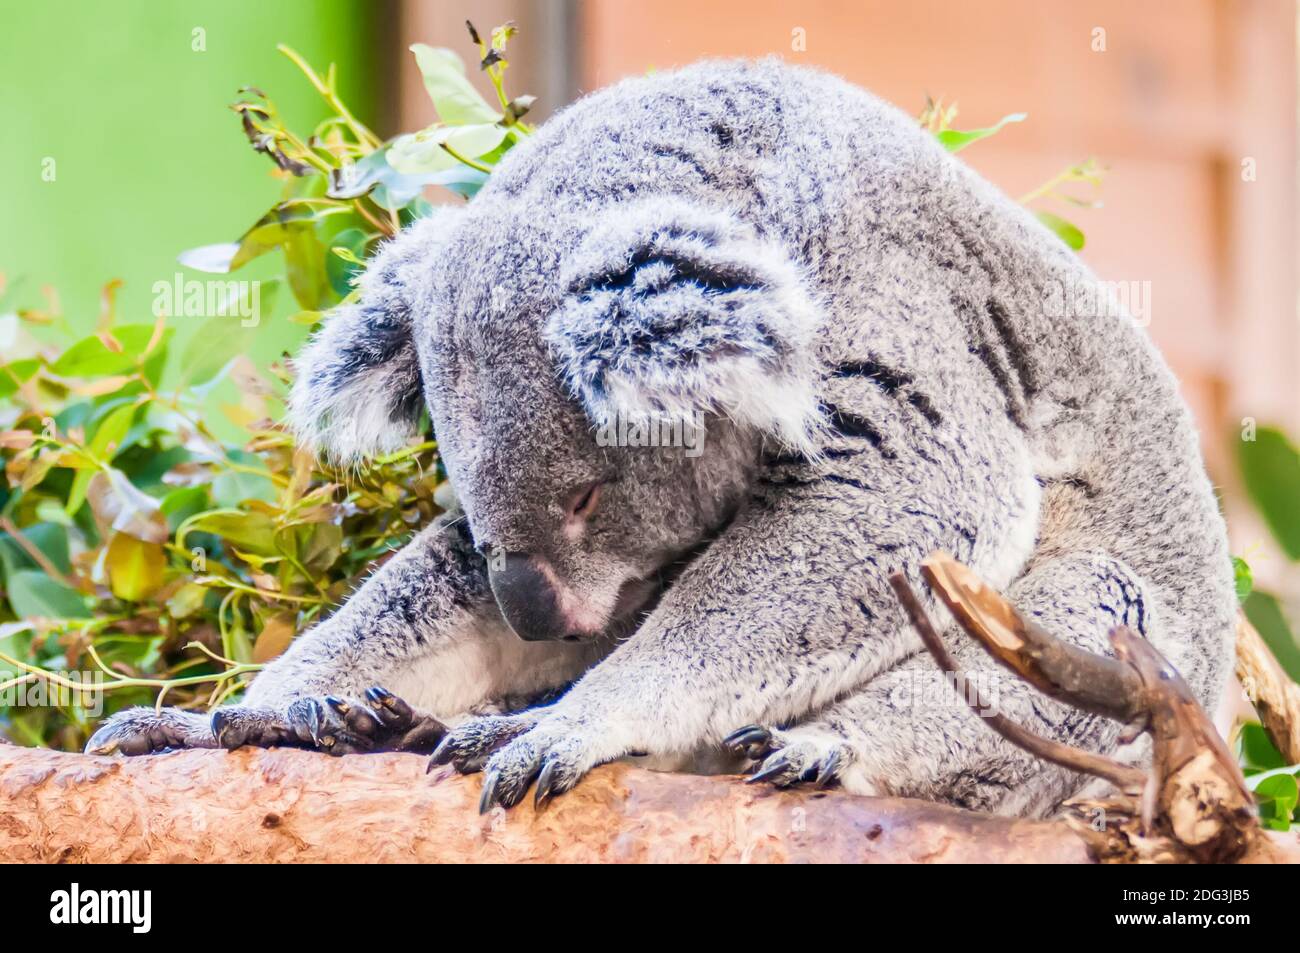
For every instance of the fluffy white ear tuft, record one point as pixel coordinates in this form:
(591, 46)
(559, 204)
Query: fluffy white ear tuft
(673, 312)
(358, 391)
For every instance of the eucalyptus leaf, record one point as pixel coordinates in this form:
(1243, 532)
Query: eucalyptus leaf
(1066, 231)
(1270, 619)
(135, 567)
(955, 140)
(423, 153)
(33, 595)
(213, 259)
(50, 539)
(1277, 796)
(454, 96)
(1270, 468)
(247, 530)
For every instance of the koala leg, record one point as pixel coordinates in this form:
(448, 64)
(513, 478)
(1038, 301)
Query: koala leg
(908, 733)
(420, 643)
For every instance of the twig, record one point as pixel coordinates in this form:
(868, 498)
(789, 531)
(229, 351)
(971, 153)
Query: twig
(1123, 776)
(1096, 684)
(34, 552)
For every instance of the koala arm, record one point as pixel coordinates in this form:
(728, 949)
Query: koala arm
(423, 626)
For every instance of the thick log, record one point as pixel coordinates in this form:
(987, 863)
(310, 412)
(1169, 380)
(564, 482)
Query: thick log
(286, 805)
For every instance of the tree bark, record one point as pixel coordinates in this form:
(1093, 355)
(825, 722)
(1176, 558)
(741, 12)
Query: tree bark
(285, 805)
(1276, 698)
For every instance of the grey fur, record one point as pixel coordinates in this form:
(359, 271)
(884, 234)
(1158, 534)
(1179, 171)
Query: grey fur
(863, 319)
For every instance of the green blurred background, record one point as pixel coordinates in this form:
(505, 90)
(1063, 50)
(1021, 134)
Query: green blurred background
(129, 99)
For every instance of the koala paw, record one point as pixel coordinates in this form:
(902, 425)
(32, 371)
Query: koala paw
(786, 758)
(513, 750)
(383, 722)
(134, 731)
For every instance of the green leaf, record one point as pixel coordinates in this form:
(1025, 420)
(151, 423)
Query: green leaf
(11, 375)
(955, 140)
(33, 594)
(179, 505)
(276, 227)
(318, 545)
(1242, 578)
(111, 430)
(213, 259)
(90, 358)
(187, 600)
(338, 269)
(396, 189)
(454, 97)
(1255, 750)
(50, 539)
(224, 337)
(1277, 796)
(1270, 467)
(247, 530)
(1266, 615)
(234, 487)
(307, 265)
(1066, 231)
(135, 567)
(108, 433)
(423, 153)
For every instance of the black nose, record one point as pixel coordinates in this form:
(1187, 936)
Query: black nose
(527, 599)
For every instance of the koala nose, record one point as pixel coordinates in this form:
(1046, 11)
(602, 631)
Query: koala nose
(527, 599)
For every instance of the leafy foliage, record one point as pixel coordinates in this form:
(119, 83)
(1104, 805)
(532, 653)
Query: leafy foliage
(1270, 469)
(937, 118)
(136, 544)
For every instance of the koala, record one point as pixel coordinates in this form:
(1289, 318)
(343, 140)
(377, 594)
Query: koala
(883, 356)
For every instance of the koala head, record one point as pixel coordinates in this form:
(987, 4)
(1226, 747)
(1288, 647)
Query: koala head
(541, 340)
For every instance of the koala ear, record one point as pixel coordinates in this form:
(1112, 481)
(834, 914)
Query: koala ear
(674, 310)
(358, 391)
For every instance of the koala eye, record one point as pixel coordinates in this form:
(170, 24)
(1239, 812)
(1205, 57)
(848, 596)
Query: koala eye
(585, 500)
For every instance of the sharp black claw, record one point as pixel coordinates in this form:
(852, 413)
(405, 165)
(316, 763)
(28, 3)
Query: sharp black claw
(219, 719)
(441, 754)
(746, 737)
(338, 704)
(314, 720)
(545, 785)
(488, 797)
(379, 695)
(829, 770)
(780, 767)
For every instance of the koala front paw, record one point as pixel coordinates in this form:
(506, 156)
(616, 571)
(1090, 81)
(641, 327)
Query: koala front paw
(513, 750)
(383, 722)
(793, 756)
(135, 731)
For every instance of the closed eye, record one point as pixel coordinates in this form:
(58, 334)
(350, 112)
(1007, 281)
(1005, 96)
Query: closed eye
(584, 502)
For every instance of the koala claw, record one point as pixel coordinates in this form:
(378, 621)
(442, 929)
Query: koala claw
(467, 746)
(787, 759)
(513, 751)
(332, 724)
(138, 731)
(752, 741)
